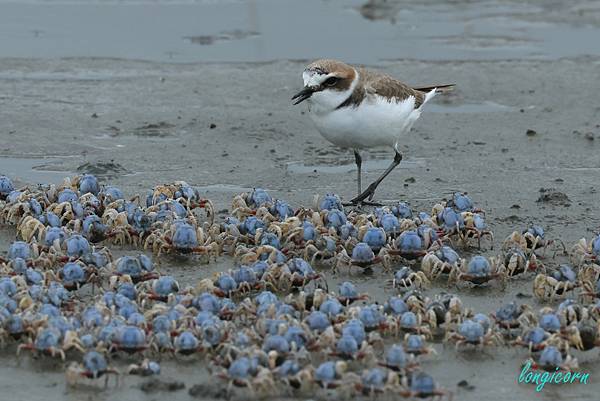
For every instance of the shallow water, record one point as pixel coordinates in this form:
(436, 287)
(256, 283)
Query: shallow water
(263, 30)
(35, 171)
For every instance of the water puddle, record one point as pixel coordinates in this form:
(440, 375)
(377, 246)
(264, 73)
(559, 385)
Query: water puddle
(252, 30)
(223, 188)
(36, 170)
(298, 167)
(485, 107)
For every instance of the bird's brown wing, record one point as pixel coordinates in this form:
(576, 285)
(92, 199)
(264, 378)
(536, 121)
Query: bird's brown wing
(389, 87)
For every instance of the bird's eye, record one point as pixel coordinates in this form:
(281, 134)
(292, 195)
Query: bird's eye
(331, 81)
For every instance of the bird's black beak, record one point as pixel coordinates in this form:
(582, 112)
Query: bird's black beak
(303, 95)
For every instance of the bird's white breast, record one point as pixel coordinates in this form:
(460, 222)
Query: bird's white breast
(376, 121)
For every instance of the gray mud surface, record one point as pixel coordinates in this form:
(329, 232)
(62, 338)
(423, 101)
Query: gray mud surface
(226, 127)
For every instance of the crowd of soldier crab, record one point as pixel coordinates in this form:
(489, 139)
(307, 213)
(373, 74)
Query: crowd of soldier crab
(259, 325)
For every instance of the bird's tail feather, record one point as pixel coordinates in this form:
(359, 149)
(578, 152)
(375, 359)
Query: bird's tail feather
(438, 88)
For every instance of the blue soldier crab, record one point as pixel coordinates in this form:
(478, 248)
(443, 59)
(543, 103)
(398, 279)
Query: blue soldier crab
(139, 268)
(328, 202)
(186, 343)
(439, 262)
(552, 360)
(94, 366)
(511, 317)
(146, 368)
(362, 256)
(161, 288)
(375, 237)
(461, 202)
(409, 245)
(398, 360)
(389, 222)
(557, 283)
(255, 199)
(412, 323)
(402, 210)
(329, 374)
(6, 187)
(472, 333)
(349, 294)
(537, 339)
(129, 339)
(47, 341)
(245, 372)
(74, 275)
(371, 317)
(450, 222)
(422, 385)
(348, 348)
(376, 381)
(182, 238)
(478, 271)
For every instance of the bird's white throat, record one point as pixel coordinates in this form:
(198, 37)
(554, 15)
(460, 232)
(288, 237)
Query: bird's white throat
(327, 100)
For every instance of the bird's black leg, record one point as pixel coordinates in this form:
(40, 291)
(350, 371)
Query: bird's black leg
(370, 191)
(358, 161)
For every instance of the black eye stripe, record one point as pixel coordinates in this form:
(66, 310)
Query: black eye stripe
(330, 81)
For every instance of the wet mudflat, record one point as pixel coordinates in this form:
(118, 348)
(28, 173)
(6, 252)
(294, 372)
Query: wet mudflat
(228, 126)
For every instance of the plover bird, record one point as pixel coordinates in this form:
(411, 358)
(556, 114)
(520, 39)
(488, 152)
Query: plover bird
(355, 108)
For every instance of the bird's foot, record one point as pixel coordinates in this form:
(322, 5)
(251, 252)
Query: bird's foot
(364, 198)
(362, 203)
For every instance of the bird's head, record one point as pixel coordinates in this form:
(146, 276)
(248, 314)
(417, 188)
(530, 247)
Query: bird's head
(327, 83)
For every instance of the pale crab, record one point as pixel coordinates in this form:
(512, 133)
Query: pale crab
(406, 279)
(323, 249)
(590, 290)
(20, 204)
(589, 272)
(584, 251)
(245, 255)
(447, 310)
(183, 193)
(30, 229)
(531, 239)
(476, 228)
(120, 231)
(517, 262)
(555, 284)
